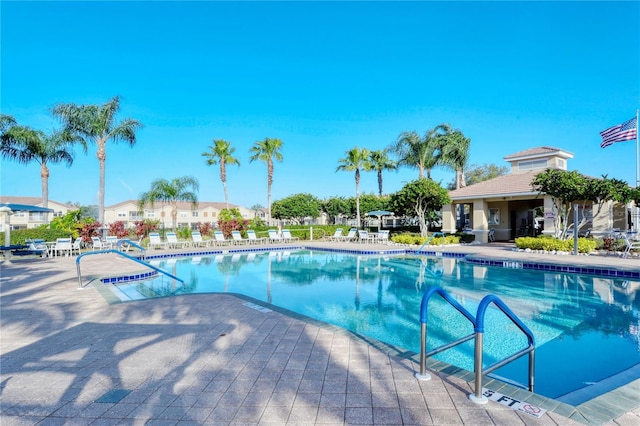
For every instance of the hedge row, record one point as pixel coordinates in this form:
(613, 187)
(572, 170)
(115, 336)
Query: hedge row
(585, 245)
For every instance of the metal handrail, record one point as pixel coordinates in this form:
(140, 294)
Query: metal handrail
(131, 243)
(431, 238)
(118, 252)
(423, 375)
(477, 397)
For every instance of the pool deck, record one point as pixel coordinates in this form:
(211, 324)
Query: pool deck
(67, 356)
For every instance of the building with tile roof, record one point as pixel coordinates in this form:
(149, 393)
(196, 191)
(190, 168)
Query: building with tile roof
(510, 207)
(24, 219)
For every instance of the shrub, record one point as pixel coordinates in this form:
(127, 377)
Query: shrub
(417, 239)
(547, 243)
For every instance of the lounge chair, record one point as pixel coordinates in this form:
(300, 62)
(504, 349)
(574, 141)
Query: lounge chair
(237, 238)
(97, 244)
(38, 247)
(76, 246)
(172, 241)
(251, 234)
(155, 241)
(287, 237)
(220, 240)
(383, 237)
(351, 236)
(364, 237)
(111, 241)
(492, 235)
(197, 240)
(274, 237)
(335, 237)
(632, 244)
(62, 246)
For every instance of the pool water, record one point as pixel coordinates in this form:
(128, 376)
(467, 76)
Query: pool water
(586, 327)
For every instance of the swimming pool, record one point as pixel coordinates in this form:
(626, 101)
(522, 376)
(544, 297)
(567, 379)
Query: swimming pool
(586, 326)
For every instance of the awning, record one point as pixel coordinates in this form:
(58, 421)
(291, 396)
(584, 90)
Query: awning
(380, 213)
(25, 208)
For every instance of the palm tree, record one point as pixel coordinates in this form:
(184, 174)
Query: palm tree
(267, 151)
(6, 122)
(357, 159)
(24, 145)
(178, 189)
(97, 123)
(380, 162)
(221, 153)
(422, 153)
(455, 154)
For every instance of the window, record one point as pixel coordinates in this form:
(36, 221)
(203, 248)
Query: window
(18, 214)
(150, 213)
(122, 215)
(134, 215)
(533, 164)
(494, 216)
(183, 215)
(36, 216)
(194, 213)
(58, 214)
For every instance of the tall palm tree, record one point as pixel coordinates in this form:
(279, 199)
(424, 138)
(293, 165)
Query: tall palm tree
(178, 189)
(267, 150)
(380, 162)
(24, 145)
(97, 123)
(6, 122)
(221, 153)
(357, 159)
(455, 154)
(424, 153)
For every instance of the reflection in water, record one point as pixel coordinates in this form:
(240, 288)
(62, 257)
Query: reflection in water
(379, 297)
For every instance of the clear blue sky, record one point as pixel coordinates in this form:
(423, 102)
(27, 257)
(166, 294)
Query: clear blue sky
(324, 77)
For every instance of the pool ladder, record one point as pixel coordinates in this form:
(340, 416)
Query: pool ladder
(478, 325)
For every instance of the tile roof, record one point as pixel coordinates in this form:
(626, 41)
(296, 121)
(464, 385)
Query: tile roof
(182, 205)
(506, 185)
(539, 151)
(31, 201)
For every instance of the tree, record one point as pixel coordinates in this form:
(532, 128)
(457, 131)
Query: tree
(24, 145)
(221, 153)
(335, 207)
(6, 122)
(380, 162)
(455, 154)
(267, 150)
(178, 189)
(297, 207)
(356, 160)
(97, 123)
(422, 153)
(420, 198)
(569, 187)
(231, 220)
(479, 173)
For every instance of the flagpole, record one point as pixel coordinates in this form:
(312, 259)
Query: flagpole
(637, 154)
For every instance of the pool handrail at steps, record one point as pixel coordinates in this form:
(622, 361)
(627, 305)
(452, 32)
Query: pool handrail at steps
(431, 238)
(478, 333)
(119, 253)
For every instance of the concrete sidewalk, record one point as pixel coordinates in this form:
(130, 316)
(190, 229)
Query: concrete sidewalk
(68, 357)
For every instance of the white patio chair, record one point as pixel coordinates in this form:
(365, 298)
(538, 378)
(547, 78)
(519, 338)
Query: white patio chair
(237, 238)
(155, 241)
(110, 241)
(97, 244)
(197, 240)
(274, 237)
(335, 237)
(173, 242)
(364, 237)
(383, 237)
(351, 236)
(39, 247)
(62, 247)
(220, 240)
(287, 237)
(253, 239)
(76, 246)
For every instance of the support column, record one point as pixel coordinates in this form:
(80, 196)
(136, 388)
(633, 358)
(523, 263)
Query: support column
(448, 218)
(481, 221)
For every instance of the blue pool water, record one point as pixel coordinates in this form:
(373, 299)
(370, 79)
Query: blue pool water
(586, 327)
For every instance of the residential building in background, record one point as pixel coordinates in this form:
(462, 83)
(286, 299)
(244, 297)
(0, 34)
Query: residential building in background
(24, 220)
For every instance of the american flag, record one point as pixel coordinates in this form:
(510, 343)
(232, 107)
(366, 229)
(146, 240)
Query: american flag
(622, 132)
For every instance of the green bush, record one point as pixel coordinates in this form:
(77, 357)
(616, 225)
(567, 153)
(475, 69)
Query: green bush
(19, 236)
(547, 243)
(417, 239)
